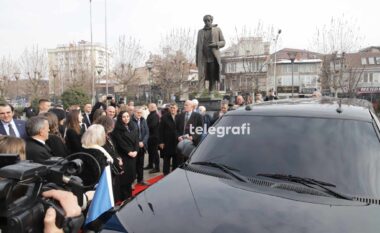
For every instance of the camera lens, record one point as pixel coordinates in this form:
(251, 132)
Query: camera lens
(73, 167)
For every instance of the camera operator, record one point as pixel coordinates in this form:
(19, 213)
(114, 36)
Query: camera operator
(69, 204)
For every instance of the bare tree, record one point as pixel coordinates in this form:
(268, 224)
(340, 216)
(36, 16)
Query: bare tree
(337, 39)
(175, 62)
(252, 45)
(128, 55)
(180, 39)
(340, 35)
(34, 64)
(172, 74)
(7, 70)
(341, 73)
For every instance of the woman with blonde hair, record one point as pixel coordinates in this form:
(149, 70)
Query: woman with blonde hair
(12, 145)
(93, 141)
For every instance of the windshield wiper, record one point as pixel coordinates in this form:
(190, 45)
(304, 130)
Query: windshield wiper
(227, 169)
(307, 182)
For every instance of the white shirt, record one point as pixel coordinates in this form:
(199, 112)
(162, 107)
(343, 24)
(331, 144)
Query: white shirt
(39, 141)
(6, 127)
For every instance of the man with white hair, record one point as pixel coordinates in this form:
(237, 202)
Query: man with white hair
(36, 149)
(205, 117)
(111, 112)
(187, 123)
(195, 103)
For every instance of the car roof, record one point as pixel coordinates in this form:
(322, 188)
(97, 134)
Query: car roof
(351, 109)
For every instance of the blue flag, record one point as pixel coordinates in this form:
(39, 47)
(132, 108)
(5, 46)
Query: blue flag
(103, 197)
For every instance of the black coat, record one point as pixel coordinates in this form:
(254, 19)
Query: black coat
(194, 121)
(153, 121)
(168, 134)
(57, 146)
(126, 141)
(86, 119)
(37, 151)
(88, 175)
(73, 141)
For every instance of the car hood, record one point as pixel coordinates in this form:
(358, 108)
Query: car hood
(185, 201)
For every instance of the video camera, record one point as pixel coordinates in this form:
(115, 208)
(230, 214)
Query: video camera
(22, 208)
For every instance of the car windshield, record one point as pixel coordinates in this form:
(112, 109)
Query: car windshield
(345, 153)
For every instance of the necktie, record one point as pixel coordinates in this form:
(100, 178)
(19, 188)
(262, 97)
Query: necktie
(139, 125)
(186, 120)
(88, 118)
(11, 131)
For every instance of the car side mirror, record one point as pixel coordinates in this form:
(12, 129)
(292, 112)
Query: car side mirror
(185, 148)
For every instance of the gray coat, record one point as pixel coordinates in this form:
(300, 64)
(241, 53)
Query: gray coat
(217, 36)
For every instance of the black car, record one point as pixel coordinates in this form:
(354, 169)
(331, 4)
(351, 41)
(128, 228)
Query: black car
(305, 166)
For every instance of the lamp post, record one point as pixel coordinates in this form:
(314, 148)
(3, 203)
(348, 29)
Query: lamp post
(292, 56)
(99, 70)
(17, 77)
(149, 65)
(92, 60)
(275, 59)
(55, 73)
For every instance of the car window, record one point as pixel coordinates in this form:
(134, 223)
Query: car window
(342, 152)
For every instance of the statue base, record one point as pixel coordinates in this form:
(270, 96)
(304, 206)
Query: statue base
(213, 95)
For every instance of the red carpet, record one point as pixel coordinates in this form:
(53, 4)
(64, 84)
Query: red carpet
(139, 188)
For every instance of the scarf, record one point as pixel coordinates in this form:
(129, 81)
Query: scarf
(105, 153)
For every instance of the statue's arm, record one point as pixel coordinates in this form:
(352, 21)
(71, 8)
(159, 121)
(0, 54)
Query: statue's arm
(221, 41)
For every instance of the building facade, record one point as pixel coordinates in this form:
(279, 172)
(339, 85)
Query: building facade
(300, 77)
(70, 65)
(244, 66)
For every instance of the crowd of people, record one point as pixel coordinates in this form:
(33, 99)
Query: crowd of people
(119, 135)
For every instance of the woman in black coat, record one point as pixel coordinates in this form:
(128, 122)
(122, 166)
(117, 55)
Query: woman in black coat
(74, 131)
(55, 140)
(117, 168)
(125, 136)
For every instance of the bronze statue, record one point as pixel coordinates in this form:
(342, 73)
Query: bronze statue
(210, 39)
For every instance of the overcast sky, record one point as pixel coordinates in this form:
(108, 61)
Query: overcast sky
(24, 23)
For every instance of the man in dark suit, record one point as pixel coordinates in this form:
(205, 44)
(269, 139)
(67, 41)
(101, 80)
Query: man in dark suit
(37, 128)
(10, 126)
(143, 130)
(168, 139)
(87, 108)
(187, 124)
(153, 121)
(220, 113)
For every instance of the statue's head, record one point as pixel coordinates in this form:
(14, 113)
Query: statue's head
(207, 19)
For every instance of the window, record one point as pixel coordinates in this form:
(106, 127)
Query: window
(371, 60)
(377, 60)
(376, 77)
(364, 61)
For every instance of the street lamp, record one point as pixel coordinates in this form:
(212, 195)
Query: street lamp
(275, 59)
(99, 70)
(55, 73)
(292, 56)
(17, 77)
(149, 65)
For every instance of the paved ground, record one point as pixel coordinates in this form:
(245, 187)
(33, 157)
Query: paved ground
(147, 176)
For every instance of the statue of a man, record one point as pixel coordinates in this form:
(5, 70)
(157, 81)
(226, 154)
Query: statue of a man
(210, 39)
